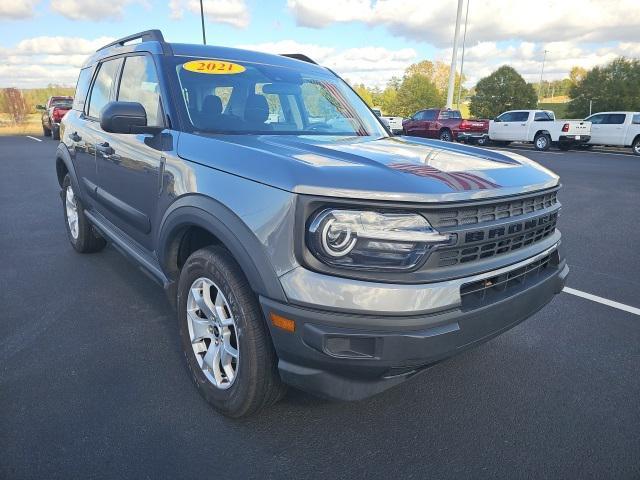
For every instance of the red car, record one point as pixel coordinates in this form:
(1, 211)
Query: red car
(52, 114)
(447, 125)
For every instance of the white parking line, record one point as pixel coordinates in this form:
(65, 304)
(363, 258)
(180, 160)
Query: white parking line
(604, 301)
(33, 138)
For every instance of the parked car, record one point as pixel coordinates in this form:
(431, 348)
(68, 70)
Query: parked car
(52, 113)
(447, 125)
(392, 123)
(617, 129)
(325, 255)
(539, 127)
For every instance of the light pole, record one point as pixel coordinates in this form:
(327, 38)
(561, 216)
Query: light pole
(464, 41)
(204, 38)
(452, 71)
(544, 58)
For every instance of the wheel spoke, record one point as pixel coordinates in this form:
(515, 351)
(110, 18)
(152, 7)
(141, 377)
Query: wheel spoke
(203, 300)
(211, 359)
(222, 311)
(199, 327)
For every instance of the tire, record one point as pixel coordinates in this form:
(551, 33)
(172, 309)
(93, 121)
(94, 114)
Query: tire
(445, 135)
(542, 142)
(564, 146)
(240, 385)
(635, 147)
(482, 141)
(83, 238)
(46, 131)
(55, 133)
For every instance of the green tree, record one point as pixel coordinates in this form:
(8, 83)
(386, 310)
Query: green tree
(615, 86)
(503, 90)
(364, 93)
(415, 93)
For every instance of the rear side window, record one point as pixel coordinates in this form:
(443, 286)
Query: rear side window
(636, 119)
(82, 88)
(542, 117)
(139, 83)
(615, 119)
(101, 92)
(446, 114)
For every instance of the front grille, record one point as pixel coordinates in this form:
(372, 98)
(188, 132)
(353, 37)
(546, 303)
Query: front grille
(488, 290)
(497, 211)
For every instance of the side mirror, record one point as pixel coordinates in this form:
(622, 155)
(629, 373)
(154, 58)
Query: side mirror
(125, 117)
(40, 107)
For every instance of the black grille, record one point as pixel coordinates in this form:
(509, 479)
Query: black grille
(488, 213)
(488, 290)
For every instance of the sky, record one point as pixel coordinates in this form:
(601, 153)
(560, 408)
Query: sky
(365, 41)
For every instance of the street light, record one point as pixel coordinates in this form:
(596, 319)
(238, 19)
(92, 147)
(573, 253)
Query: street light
(464, 41)
(204, 38)
(452, 71)
(544, 58)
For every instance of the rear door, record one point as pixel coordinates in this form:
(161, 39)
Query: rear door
(129, 165)
(613, 128)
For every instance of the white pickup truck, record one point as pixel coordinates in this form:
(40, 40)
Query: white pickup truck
(619, 129)
(539, 127)
(392, 123)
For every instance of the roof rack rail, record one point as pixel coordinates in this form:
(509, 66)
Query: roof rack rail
(299, 56)
(146, 36)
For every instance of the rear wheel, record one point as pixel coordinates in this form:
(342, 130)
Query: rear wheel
(445, 135)
(46, 131)
(55, 132)
(81, 233)
(224, 337)
(542, 142)
(636, 146)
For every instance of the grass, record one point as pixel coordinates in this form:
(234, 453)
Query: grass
(31, 126)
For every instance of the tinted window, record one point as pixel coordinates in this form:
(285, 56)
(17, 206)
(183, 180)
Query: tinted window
(596, 119)
(542, 117)
(520, 116)
(636, 119)
(139, 83)
(429, 114)
(615, 119)
(101, 92)
(82, 88)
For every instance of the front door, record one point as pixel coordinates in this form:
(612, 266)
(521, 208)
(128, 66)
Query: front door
(129, 164)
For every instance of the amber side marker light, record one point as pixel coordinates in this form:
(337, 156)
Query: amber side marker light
(283, 323)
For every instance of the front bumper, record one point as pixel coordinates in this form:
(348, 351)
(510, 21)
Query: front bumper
(350, 356)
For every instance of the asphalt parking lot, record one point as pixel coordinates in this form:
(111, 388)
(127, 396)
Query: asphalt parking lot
(93, 383)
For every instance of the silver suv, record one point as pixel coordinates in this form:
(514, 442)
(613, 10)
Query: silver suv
(300, 242)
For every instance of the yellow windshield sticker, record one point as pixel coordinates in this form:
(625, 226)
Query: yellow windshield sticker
(213, 67)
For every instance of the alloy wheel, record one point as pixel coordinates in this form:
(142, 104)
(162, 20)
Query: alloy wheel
(71, 207)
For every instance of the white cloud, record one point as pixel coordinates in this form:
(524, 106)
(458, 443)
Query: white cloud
(17, 9)
(231, 12)
(38, 61)
(373, 66)
(93, 10)
(489, 20)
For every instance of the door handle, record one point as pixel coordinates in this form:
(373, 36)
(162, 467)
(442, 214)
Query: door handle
(105, 149)
(523, 124)
(75, 137)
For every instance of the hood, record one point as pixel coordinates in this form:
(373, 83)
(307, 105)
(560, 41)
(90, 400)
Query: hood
(392, 168)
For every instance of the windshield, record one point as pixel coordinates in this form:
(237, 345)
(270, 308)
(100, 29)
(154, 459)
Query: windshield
(233, 98)
(62, 102)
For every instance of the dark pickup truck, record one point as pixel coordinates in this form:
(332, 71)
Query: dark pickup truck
(52, 113)
(447, 125)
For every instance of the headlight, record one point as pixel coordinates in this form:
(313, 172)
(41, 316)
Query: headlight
(371, 240)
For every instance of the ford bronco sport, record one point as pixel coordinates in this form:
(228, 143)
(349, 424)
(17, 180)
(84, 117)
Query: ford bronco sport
(300, 242)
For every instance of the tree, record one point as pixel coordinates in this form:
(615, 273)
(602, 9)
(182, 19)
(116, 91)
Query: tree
(364, 93)
(616, 86)
(417, 92)
(577, 74)
(503, 90)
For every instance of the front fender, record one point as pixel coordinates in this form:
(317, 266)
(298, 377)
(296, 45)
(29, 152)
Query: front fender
(235, 235)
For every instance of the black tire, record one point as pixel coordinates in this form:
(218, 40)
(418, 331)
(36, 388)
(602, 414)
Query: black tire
(482, 141)
(55, 133)
(564, 146)
(445, 135)
(46, 131)
(87, 240)
(257, 383)
(635, 147)
(542, 142)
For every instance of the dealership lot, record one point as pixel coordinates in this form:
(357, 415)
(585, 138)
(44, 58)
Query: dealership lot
(93, 383)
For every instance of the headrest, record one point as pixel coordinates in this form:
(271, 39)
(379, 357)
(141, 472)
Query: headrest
(256, 109)
(212, 105)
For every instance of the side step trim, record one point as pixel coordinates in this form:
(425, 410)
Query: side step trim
(143, 260)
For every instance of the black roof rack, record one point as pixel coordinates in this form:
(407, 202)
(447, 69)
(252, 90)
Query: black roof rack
(146, 36)
(298, 56)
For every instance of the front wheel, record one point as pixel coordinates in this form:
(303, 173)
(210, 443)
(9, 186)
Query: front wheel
(542, 142)
(224, 337)
(482, 141)
(636, 146)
